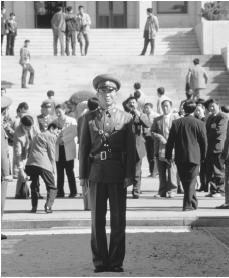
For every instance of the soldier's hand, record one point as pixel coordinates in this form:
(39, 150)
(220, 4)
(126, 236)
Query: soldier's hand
(128, 182)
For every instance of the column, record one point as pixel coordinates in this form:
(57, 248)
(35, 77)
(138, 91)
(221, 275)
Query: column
(143, 5)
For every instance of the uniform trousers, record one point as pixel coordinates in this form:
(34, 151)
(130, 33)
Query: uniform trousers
(215, 172)
(34, 172)
(68, 166)
(99, 194)
(10, 44)
(71, 37)
(137, 178)
(25, 69)
(188, 173)
(167, 177)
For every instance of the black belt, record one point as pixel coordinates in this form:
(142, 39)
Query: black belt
(107, 156)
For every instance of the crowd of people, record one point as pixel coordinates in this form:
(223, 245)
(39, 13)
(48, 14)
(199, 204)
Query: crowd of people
(73, 27)
(66, 26)
(180, 145)
(151, 129)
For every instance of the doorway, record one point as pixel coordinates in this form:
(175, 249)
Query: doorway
(44, 10)
(111, 14)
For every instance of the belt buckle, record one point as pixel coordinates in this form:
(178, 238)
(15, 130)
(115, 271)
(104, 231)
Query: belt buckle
(103, 155)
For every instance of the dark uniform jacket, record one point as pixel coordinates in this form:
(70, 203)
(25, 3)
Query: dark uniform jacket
(5, 161)
(188, 134)
(216, 132)
(138, 124)
(118, 125)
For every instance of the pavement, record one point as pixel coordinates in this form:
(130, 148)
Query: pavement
(145, 211)
(191, 254)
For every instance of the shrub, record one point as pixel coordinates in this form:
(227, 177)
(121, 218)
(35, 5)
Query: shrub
(212, 10)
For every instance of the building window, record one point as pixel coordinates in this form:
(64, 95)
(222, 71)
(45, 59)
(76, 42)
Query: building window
(172, 7)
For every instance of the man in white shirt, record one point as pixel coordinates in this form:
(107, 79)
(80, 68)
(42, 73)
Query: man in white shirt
(84, 22)
(197, 78)
(150, 31)
(26, 66)
(160, 132)
(161, 98)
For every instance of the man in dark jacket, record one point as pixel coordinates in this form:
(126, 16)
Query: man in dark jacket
(70, 32)
(58, 27)
(106, 159)
(140, 121)
(188, 137)
(5, 161)
(11, 26)
(225, 157)
(216, 126)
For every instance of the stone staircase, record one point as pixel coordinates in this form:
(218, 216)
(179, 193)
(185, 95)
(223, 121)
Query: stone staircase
(115, 42)
(66, 75)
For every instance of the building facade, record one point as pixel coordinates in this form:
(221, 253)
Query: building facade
(109, 14)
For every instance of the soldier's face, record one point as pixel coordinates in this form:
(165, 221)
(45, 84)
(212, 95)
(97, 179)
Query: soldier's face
(106, 97)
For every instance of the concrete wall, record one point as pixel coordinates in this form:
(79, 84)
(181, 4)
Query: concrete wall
(90, 7)
(132, 14)
(225, 54)
(215, 36)
(24, 11)
(180, 20)
(212, 36)
(199, 35)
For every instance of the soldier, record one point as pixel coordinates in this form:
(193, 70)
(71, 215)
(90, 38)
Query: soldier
(45, 118)
(106, 159)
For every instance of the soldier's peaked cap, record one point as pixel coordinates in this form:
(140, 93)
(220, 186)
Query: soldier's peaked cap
(106, 80)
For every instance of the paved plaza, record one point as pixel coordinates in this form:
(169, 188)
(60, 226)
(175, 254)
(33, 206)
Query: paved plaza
(147, 254)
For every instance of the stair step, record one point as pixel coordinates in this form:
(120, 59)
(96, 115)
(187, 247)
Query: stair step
(123, 42)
